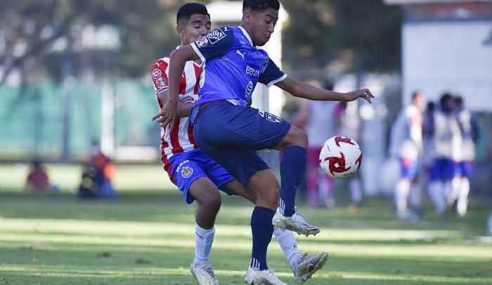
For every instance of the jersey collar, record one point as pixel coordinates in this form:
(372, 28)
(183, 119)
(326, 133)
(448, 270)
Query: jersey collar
(245, 33)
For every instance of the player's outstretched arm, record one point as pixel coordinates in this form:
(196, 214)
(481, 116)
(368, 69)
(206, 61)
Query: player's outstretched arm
(177, 62)
(304, 90)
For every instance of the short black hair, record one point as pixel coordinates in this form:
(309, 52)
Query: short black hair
(459, 100)
(188, 9)
(415, 94)
(261, 4)
(445, 98)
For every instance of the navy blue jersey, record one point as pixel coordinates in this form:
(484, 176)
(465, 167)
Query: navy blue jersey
(233, 66)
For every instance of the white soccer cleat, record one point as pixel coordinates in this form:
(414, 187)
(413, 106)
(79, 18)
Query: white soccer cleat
(296, 223)
(204, 274)
(262, 277)
(307, 265)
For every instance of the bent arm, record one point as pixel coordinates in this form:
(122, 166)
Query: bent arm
(176, 66)
(183, 108)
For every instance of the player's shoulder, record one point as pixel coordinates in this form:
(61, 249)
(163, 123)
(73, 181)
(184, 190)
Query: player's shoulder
(161, 62)
(217, 35)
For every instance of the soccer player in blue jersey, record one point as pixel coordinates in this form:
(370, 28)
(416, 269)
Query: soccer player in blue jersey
(230, 131)
(198, 176)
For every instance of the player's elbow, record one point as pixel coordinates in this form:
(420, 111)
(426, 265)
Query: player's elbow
(184, 54)
(293, 87)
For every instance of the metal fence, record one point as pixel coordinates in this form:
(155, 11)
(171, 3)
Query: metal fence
(59, 121)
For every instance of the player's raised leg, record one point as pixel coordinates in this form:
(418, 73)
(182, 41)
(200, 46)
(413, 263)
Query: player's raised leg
(292, 169)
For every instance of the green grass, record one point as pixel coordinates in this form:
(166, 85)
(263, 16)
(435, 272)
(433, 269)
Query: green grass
(148, 237)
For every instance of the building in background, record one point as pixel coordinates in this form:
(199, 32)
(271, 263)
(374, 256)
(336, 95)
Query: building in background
(447, 46)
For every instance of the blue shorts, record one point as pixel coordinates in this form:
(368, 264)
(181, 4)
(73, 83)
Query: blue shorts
(443, 169)
(408, 168)
(465, 168)
(188, 166)
(232, 134)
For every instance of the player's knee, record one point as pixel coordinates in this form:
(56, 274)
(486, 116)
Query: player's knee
(295, 136)
(265, 188)
(211, 201)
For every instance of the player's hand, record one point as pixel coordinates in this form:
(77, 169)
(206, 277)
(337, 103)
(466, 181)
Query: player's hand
(167, 115)
(362, 93)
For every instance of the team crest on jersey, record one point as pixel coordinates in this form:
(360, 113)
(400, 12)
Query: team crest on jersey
(186, 171)
(215, 36)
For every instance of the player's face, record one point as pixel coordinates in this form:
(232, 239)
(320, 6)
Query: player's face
(262, 25)
(194, 29)
(420, 102)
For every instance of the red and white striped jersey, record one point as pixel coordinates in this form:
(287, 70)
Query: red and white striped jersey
(179, 138)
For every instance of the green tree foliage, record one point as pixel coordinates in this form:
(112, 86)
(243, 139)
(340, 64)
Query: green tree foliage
(363, 34)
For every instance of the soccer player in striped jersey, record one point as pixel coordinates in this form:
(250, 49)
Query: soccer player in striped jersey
(230, 131)
(196, 175)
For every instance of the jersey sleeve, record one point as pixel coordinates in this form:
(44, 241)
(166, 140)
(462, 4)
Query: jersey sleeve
(159, 75)
(272, 74)
(217, 43)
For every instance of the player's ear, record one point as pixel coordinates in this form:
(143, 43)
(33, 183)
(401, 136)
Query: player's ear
(247, 15)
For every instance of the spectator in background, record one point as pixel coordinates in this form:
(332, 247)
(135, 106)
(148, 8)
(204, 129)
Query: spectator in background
(428, 145)
(97, 176)
(347, 123)
(469, 136)
(406, 145)
(316, 117)
(445, 132)
(37, 180)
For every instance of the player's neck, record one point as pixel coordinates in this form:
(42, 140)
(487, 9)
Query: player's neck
(247, 29)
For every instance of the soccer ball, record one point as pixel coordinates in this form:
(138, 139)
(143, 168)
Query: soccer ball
(340, 157)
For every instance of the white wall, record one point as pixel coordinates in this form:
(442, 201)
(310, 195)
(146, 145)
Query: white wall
(265, 99)
(453, 56)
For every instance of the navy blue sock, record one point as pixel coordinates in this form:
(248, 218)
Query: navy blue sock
(262, 230)
(292, 170)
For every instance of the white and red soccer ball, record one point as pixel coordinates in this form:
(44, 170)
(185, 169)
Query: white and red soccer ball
(340, 157)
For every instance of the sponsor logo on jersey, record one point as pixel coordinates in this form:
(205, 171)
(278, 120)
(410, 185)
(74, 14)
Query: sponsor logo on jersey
(156, 73)
(242, 54)
(252, 72)
(249, 89)
(160, 83)
(215, 36)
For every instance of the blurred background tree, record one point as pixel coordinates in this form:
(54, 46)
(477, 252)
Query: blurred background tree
(348, 34)
(109, 45)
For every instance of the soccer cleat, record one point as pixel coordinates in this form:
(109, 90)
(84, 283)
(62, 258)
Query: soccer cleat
(262, 277)
(307, 265)
(204, 274)
(296, 223)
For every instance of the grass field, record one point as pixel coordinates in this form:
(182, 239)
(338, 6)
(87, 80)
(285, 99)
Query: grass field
(146, 237)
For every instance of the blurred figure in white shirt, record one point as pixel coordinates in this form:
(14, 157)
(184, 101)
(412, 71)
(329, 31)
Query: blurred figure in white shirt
(406, 145)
